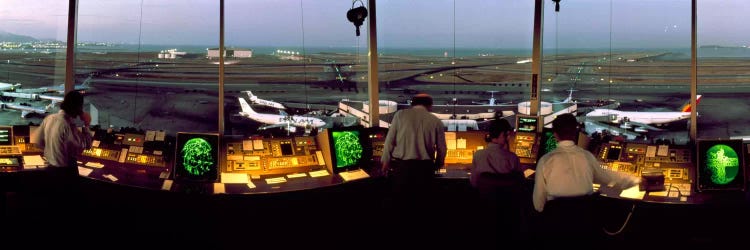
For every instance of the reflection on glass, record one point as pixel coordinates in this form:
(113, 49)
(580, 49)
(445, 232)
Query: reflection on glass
(625, 64)
(476, 66)
(723, 63)
(147, 67)
(291, 62)
(33, 37)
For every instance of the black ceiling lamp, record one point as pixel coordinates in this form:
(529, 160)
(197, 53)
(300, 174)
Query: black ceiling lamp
(357, 15)
(557, 5)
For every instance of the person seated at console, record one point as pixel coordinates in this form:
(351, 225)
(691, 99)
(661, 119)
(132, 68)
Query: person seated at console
(563, 186)
(497, 175)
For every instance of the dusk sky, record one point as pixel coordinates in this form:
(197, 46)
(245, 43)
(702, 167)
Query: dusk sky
(423, 23)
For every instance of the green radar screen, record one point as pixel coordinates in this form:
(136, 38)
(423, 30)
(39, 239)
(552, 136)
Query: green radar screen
(347, 147)
(196, 157)
(720, 165)
(723, 164)
(548, 144)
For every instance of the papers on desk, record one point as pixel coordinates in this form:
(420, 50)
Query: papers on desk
(528, 172)
(354, 175)
(110, 177)
(167, 185)
(276, 180)
(84, 171)
(234, 178)
(297, 175)
(219, 188)
(92, 164)
(633, 193)
(33, 161)
(318, 173)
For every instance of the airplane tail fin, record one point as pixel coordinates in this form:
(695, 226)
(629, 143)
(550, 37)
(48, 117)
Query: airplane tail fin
(250, 95)
(570, 96)
(245, 107)
(86, 82)
(687, 107)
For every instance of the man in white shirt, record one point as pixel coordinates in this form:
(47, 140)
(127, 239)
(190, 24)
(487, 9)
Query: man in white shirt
(56, 188)
(59, 136)
(413, 150)
(566, 176)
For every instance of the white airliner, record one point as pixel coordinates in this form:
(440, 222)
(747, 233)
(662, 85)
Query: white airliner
(290, 123)
(8, 86)
(25, 110)
(255, 100)
(643, 120)
(60, 89)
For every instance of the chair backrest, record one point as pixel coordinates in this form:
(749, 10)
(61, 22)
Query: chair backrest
(570, 217)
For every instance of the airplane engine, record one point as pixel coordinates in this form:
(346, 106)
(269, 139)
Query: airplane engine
(613, 117)
(292, 129)
(626, 123)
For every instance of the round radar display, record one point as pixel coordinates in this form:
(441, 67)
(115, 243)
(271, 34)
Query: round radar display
(723, 163)
(348, 148)
(196, 157)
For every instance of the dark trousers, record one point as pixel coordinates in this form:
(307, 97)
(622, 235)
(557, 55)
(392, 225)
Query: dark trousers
(411, 197)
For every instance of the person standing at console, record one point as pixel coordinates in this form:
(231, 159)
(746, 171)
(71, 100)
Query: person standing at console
(414, 149)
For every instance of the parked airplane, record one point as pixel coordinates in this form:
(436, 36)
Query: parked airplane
(8, 86)
(60, 89)
(643, 120)
(24, 108)
(256, 100)
(290, 123)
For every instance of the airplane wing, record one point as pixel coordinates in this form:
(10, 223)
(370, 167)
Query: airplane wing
(286, 126)
(645, 126)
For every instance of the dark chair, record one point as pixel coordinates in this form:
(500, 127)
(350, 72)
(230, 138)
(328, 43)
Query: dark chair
(502, 197)
(571, 220)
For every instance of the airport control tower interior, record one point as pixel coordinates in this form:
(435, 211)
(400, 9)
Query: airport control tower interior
(300, 92)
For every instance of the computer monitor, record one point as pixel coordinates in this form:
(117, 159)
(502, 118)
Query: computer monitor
(6, 135)
(527, 123)
(721, 164)
(347, 149)
(196, 157)
(547, 142)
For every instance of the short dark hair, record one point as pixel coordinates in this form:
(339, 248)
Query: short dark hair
(565, 126)
(422, 99)
(498, 126)
(72, 104)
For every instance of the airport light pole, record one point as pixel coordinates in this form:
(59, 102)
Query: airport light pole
(372, 66)
(536, 59)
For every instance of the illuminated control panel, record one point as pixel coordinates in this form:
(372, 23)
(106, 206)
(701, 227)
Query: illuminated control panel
(610, 152)
(145, 159)
(263, 156)
(461, 147)
(525, 146)
(10, 150)
(102, 153)
(377, 138)
(674, 162)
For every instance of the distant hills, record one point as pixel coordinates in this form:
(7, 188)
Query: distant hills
(721, 47)
(10, 37)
